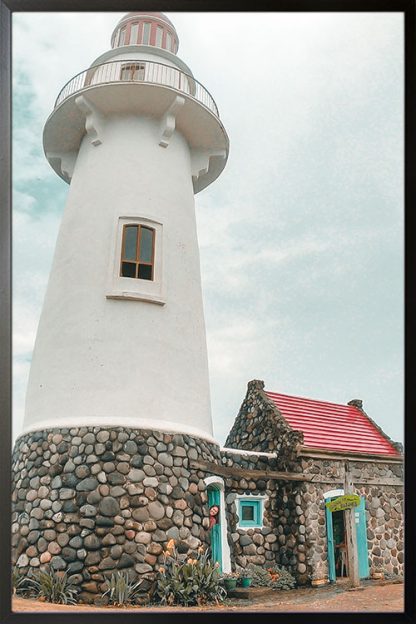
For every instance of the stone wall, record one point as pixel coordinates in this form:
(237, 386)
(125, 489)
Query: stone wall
(253, 545)
(259, 426)
(384, 511)
(95, 500)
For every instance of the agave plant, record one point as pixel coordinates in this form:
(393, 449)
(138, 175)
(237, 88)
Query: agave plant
(192, 580)
(122, 591)
(53, 586)
(22, 584)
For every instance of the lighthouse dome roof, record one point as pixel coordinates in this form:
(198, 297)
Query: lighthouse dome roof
(145, 28)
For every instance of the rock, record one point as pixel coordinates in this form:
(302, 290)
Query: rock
(69, 466)
(88, 510)
(45, 557)
(156, 510)
(23, 561)
(102, 436)
(75, 542)
(143, 538)
(130, 447)
(165, 459)
(89, 438)
(141, 514)
(143, 568)
(62, 539)
(136, 475)
(91, 542)
(57, 563)
(66, 493)
(92, 558)
(82, 471)
(103, 521)
(69, 554)
(109, 506)
(126, 561)
(245, 540)
(107, 564)
(87, 485)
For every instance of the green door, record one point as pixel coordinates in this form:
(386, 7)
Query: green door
(331, 546)
(214, 498)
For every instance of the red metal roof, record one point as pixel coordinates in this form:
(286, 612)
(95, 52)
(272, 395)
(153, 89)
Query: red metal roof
(332, 426)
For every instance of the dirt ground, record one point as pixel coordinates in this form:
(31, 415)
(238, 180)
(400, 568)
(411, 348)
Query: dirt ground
(372, 596)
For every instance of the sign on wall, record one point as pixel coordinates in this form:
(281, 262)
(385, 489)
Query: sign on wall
(348, 501)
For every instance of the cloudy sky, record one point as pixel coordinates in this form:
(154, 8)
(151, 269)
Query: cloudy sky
(303, 273)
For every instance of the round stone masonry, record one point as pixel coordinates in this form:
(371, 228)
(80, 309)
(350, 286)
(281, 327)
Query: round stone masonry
(91, 500)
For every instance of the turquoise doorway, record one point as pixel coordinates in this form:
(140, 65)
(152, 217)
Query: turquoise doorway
(335, 531)
(214, 500)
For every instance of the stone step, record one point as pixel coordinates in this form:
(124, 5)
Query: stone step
(249, 592)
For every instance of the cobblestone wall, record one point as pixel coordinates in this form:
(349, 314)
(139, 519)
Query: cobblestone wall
(93, 500)
(260, 427)
(384, 511)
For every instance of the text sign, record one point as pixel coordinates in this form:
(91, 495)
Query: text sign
(348, 501)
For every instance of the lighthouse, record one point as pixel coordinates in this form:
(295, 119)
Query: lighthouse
(118, 401)
(121, 339)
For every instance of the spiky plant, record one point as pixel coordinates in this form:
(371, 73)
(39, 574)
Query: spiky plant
(53, 586)
(122, 591)
(22, 584)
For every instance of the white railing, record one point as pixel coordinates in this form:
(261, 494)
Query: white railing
(138, 71)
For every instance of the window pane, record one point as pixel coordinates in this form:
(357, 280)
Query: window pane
(146, 33)
(159, 33)
(145, 271)
(130, 242)
(133, 34)
(122, 37)
(247, 512)
(168, 41)
(146, 245)
(128, 269)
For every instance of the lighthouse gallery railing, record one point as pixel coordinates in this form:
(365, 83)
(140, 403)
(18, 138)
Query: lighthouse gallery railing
(137, 70)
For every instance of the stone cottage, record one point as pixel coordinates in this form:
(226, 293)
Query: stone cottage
(297, 450)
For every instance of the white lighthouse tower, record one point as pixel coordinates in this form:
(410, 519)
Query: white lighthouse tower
(121, 340)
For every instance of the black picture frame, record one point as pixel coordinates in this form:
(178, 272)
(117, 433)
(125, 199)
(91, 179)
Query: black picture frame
(7, 7)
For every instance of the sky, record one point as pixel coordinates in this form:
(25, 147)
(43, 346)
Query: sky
(302, 274)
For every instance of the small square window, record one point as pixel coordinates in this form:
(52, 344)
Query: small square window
(250, 512)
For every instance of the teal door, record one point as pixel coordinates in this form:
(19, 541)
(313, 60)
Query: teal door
(362, 548)
(361, 527)
(331, 547)
(215, 531)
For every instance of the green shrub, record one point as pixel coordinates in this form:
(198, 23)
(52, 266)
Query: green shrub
(275, 577)
(53, 586)
(122, 590)
(23, 584)
(188, 580)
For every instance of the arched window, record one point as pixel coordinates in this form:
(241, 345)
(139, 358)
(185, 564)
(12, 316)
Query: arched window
(137, 253)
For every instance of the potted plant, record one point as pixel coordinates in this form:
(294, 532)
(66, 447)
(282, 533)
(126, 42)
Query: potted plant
(245, 578)
(230, 580)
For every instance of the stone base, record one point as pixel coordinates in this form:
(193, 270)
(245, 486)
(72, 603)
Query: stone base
(93, 500)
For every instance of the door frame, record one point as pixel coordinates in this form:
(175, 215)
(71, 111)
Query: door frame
(218, 483)
(361, 532)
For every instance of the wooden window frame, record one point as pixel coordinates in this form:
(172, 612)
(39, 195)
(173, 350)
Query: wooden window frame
(132, 68)
(138, 262)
